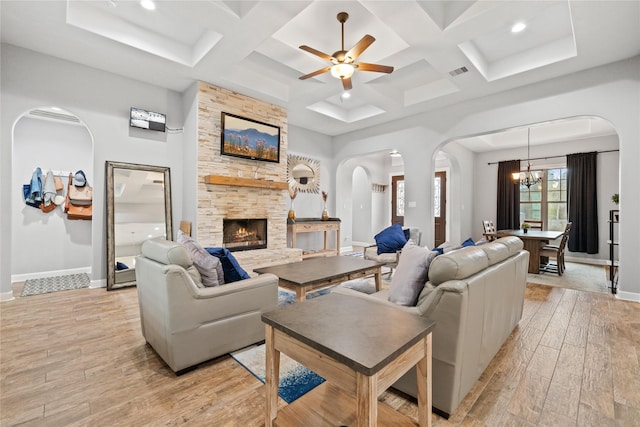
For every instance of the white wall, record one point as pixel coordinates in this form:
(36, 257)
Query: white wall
(485, 181)
(46, 242)
(102, 101)
(188, 209)
(611, 92)
(315, 146)
(361, 206)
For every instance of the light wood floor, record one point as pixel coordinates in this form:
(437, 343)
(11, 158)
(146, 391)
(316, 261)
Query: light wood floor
(77, 358)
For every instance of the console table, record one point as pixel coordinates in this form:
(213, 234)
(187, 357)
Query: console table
(313, 225)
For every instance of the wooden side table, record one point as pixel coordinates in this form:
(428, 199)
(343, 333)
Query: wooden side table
(361, 357)
(314, 225)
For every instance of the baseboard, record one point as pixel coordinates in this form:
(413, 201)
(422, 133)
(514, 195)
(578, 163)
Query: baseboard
(591, 261)
(628, 296)
(27, 276)
(344, 249)
(102, 283)
(365, 244)
(6, 296)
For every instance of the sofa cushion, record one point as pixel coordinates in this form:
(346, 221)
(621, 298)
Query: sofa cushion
(411, 274)
(232, 270)
(457, 265)
(513, 244)
(208, 266)
(391, 239)
(168, 253)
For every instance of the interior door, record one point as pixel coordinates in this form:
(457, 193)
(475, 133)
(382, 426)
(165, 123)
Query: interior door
(397, 199)
(440, 207)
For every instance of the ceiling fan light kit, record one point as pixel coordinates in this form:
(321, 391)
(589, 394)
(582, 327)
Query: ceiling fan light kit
(342, 71)
(343, 61)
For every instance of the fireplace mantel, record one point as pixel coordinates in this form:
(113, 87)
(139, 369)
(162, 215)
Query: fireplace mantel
(244, 182)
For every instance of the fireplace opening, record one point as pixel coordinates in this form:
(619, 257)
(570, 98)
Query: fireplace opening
(244, 234)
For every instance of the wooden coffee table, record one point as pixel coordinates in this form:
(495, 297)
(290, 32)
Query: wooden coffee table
(316, 273)
(360, 347)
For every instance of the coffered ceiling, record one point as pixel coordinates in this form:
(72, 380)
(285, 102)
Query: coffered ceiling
(443, 52)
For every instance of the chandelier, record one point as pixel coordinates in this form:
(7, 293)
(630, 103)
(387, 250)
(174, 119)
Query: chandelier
(527, 178)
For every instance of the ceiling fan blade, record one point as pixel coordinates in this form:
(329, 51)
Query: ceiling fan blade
(363, 66)
(315, 73)
(346, 83)
(317, 53)
(359, 47)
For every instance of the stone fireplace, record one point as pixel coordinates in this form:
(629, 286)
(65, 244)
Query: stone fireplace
(244, 234)
(246, 187)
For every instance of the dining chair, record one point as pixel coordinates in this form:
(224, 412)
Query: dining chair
(557, 252)
(535, 224)
(489, 229)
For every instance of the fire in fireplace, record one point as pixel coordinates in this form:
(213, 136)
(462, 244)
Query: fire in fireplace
(244, 234)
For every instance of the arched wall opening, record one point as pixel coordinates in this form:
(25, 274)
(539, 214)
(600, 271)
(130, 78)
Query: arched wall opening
(551, 141)
(364, 195)
(49, 244)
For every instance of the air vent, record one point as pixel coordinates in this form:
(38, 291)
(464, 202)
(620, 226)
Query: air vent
(54, 116)
(458, 71)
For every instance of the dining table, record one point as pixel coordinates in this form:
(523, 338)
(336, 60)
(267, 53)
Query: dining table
(533, 241)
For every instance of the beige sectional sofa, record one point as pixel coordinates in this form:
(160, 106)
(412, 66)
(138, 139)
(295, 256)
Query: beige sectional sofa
(475, 295)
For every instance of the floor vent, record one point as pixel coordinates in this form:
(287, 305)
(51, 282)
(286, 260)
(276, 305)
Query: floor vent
(458, 71)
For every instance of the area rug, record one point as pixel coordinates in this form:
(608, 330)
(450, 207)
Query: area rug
(295, 379)
(582, 277)
(366, 286)
(55, 283)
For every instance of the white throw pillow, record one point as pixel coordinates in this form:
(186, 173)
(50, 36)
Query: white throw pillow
(411, 274)
(208, 266)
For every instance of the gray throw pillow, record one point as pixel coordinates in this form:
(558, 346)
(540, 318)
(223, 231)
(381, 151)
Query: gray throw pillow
(411, 274)
(208, 266)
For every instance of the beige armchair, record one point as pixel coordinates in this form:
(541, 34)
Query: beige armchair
(186, 323)
(390, 260)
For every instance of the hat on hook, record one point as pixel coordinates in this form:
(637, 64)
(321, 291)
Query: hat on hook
(79, 179)
(58, 200)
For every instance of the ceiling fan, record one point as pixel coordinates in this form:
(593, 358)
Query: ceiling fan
(343, 61)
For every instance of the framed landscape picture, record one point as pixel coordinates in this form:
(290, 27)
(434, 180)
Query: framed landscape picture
(249, 139)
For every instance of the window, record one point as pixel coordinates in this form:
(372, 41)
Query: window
(546, 201)
(400, 199)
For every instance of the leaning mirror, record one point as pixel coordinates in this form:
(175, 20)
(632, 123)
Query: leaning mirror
(138, 208)
(303, 174)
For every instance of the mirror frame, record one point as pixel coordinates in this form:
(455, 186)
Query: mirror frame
(111, 248)
(313, 185)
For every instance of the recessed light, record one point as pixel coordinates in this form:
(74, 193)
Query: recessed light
(345, 95)
(517, 27)
(148, 4)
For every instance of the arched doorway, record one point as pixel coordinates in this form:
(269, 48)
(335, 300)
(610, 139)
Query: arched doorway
(48, 244)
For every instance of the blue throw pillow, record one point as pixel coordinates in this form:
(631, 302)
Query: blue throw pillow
(439, 250)
(468, 242)
(390, 240)
(232, 270)
(407, 233)
(121, 266)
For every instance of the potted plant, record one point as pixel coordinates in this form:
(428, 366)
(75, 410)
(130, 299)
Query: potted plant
(615, 198)
(525, 227)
